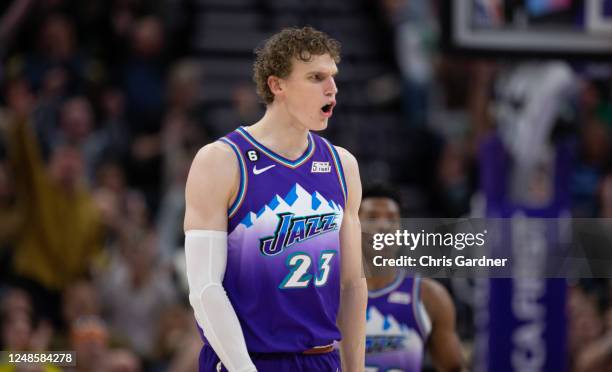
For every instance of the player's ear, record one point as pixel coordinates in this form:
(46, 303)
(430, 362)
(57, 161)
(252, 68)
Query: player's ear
(275, 84)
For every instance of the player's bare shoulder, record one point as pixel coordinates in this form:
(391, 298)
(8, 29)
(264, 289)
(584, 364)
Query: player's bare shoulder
(350, 166)
(348, 160)
(214, 163)
(351, 174)
(211, 184)
(217, 151)
(435, 297)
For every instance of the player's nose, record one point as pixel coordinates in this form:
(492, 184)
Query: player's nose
(331, 89)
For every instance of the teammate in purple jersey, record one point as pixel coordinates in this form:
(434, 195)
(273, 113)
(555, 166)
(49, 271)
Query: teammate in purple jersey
(272, 227)
(405, 315)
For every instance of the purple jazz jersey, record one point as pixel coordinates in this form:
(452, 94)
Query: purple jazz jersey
(397, 327)
(283, 273)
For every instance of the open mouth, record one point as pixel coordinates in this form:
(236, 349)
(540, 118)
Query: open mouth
(327, 109)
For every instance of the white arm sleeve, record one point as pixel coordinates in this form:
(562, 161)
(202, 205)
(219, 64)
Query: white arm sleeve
(206, 256)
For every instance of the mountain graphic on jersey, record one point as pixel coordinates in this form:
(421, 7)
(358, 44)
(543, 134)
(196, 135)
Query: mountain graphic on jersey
(384, 333)
(286, 221)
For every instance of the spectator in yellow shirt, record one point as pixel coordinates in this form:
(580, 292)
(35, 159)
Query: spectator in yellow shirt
(62, 231)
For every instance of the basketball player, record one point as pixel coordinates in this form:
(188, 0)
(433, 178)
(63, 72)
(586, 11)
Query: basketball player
(272, 227)
(404, 314)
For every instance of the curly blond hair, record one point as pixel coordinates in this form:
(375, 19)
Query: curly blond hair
(276, 56)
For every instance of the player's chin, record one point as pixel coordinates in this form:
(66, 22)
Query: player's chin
(319, 125)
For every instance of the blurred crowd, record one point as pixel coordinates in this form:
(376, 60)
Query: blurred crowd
(453, 103)
(99, 123)
(100, 118)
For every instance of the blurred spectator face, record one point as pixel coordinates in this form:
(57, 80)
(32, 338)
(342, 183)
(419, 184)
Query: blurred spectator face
(89, 338)
(148, 37)
(77, 119)
(108, 205)
(80, 300)
(110, 189)
(121, 361)
(378, 215)
(135, 209)
(113, 103)
(19, 97)
(54, 82)
(66, 166)
(16, 301)
(57, 37)
(141, 254)
(246, 103)
(111, 176)
(123, 16)
(595, 143)
(393, 7)
(16, 331)
(184, 84)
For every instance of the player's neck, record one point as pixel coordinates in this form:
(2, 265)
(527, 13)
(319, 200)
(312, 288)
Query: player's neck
(277, 132)
(381, 281)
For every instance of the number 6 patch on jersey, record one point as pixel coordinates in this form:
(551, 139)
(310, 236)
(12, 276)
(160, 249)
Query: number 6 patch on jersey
(252, 155)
